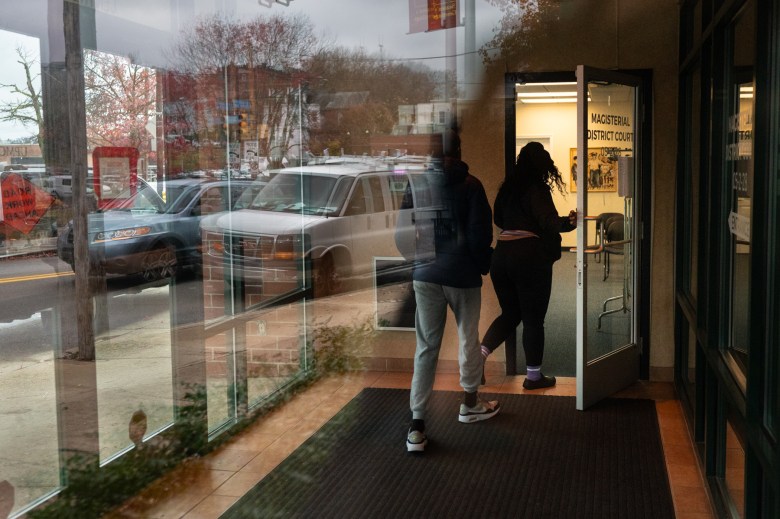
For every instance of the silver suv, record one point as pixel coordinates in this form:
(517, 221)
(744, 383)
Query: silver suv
(337, 218)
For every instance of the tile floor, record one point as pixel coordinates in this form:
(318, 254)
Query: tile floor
(204, 488)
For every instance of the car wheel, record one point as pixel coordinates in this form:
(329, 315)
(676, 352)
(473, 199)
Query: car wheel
(327, 280)
(159, 263)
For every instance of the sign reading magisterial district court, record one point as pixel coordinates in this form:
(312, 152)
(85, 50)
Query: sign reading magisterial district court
(23, 203)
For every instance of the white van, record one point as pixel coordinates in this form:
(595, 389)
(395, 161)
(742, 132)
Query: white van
(61, 187)
(340, 216)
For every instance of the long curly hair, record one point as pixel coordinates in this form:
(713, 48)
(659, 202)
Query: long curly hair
(534, 164)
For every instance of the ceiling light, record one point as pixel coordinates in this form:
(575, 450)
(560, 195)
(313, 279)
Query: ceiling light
(540, 100)
(545, 84)
(547, 94)
(550, 100)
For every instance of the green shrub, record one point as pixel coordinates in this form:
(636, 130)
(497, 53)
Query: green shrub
(341, 348)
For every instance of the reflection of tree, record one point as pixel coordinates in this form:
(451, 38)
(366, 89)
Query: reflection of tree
(389, 84)
(263, 61)
(521, 20)
(278, 42)
(356, 125)
(120, 101)
(371, 117)
(26, 108)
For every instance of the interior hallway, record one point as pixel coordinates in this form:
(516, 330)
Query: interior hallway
(204, 488)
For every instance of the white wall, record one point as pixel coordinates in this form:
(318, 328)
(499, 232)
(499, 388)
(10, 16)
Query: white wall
(558, 123)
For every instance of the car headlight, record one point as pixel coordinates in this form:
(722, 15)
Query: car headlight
(121, 234)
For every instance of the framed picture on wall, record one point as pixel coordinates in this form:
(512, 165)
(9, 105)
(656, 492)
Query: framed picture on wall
(546, 141)
(601, 170)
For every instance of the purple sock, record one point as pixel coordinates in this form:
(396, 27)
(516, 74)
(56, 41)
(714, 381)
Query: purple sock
(533, 372)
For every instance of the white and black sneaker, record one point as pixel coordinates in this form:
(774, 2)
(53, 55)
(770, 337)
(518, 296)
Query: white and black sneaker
(416, 441)
(482, 411)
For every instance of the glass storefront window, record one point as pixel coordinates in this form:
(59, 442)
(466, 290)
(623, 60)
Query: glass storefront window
(220, 377)
(690, 372)
(734, 471)
(28, 431)
(694, 154)
(276, 350)
(772, 366)
(739, 165)
(134, 370)
(691, 14)
(189, 307)
(31, 307)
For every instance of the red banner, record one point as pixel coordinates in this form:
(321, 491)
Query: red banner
(432, 15)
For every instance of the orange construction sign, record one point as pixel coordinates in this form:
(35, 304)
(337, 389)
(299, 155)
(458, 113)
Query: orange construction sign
(23, 203)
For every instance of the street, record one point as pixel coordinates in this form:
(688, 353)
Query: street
(34, 290)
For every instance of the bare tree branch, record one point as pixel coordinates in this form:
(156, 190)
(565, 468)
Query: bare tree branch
(25, 108)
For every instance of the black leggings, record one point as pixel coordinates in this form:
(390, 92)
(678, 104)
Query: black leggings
(522, 279)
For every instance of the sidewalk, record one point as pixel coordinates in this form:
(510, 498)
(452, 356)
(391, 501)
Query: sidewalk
(14, 248)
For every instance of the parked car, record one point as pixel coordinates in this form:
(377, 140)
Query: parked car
(339, 216)
(38, 176)
(62, 187)
(153, 233)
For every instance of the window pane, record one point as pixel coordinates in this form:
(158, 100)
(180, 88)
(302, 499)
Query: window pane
(735, 470)
(695, 168)
(739, 162)
(28, 431)
(690, 372)
(377, 196)
(133, 355)
(275, 349)
(36, 289)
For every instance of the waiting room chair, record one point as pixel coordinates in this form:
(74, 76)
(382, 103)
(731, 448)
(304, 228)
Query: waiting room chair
(613, 234)
(614, 243)
(598, 246)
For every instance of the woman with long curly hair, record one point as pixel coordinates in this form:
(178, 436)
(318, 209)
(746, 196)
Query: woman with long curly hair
(528, 245)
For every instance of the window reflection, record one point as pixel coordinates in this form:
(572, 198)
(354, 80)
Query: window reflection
(28, 432)
(239, 170)
(735, 470)
(739, 160)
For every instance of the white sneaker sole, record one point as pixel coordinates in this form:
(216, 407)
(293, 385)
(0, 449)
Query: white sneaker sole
(471, 418)
(416, 447)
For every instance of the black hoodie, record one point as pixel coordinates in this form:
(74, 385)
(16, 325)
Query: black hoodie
(463, 230)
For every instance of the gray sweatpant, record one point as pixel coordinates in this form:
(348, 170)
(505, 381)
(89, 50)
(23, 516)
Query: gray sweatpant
(430, 318)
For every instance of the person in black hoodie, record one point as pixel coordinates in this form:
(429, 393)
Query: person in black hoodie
(528, 245)
(454, 237)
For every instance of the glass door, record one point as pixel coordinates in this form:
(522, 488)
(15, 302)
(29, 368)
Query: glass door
(607, 140)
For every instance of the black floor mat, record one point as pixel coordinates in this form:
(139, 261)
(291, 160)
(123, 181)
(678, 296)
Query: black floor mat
(539, 457)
